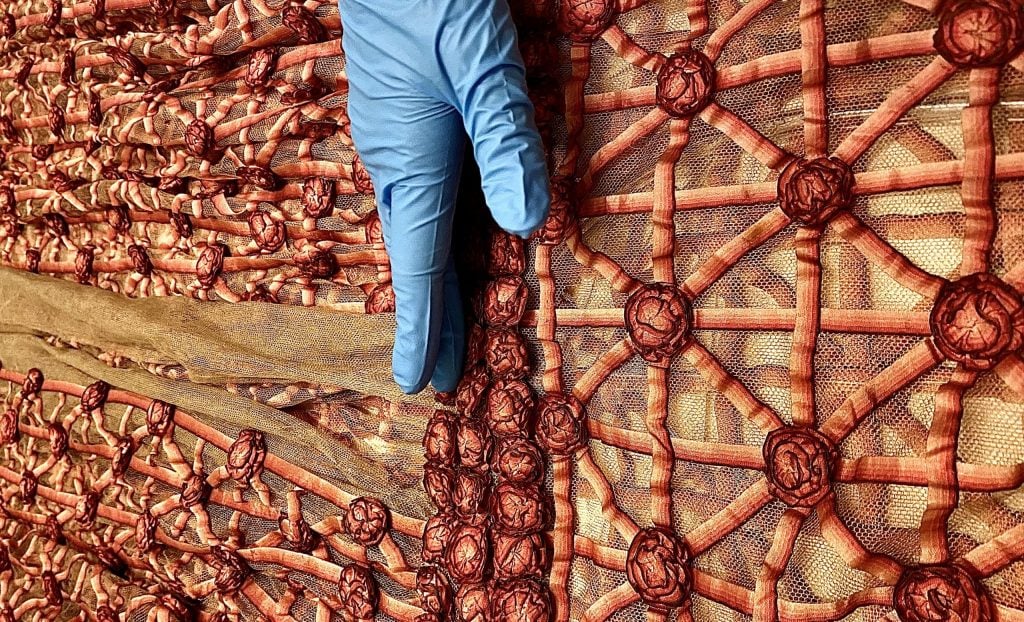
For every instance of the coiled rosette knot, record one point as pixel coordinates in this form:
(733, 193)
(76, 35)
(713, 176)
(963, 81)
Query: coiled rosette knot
(437, 532)
(686, 84)
(504, 301)
(359, 593)
(658, 322)
(367, 521)
(561, 215)
(941, 592)
(520, 600)
(434, 590)
(561, 424)
(799, 463)
(812, 191)
(246, 456)
(658, 568)
(468, 554)
(980, 33)
(977, 320)
(583, 21)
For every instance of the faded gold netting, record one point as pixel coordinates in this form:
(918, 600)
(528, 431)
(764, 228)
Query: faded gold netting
(762, 363)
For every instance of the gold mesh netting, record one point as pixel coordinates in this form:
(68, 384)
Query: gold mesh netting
(762, 363)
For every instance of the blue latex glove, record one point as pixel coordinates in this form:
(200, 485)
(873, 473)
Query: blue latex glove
(422, 74)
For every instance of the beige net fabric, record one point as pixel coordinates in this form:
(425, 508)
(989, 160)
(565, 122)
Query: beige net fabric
(762, 363)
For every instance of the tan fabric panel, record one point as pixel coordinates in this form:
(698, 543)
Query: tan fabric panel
(215, 342)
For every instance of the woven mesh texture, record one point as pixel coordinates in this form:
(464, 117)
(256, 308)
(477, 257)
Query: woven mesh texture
(762, 363)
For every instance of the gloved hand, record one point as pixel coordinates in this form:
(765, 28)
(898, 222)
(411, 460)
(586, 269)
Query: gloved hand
(422, 74)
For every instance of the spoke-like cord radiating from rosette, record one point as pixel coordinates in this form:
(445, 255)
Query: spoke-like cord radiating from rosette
(762, 362)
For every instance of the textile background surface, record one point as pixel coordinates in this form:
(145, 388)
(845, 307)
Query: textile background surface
(762, 363)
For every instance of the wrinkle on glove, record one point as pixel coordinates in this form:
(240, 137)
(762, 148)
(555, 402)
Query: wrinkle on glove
(421, 74)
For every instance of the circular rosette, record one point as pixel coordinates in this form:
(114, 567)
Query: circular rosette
(506, 355)
(947, 593)
(103, 614)
(476, 342)
(471, 390)
(978, 320)
(518, 509)
(505, 255)
(381, 299)
(658, 321)
(9, 432)
(367, 521)
(521, 600)
(159, 417)
(33, 384)
(58, 437)
(468, 554)
(504, 301)
(584, 20)
(85, 509)
(246, 455)
(358, 591)
(28, 485)
(561, 423)
(518, 557)
(198, 139)
(434, 590)
(262, 63)
(52, 589)
(798, 463)
(210, 263)
(84, 264)
(980, 33)
(268, 234)
(119, 219)
(111, 561)
(561, 215)
(474, 443)
(122, 458)
(32, 257)
(437, 532)
(473, 602)
(260, 176)
(438, 482)
(195, 490)
(469, 494)
(360, 176)
(145, 533)
(519, 461)
(10, 227)
(232, 570)
(439, 437)
(259, 293)
(658, 568)
(316, 264)
(318, 196)
(53, 531)
(812, 191)
(509, 406)
(686, 83)
(373, 229)
(182, 224)
(140, 260)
